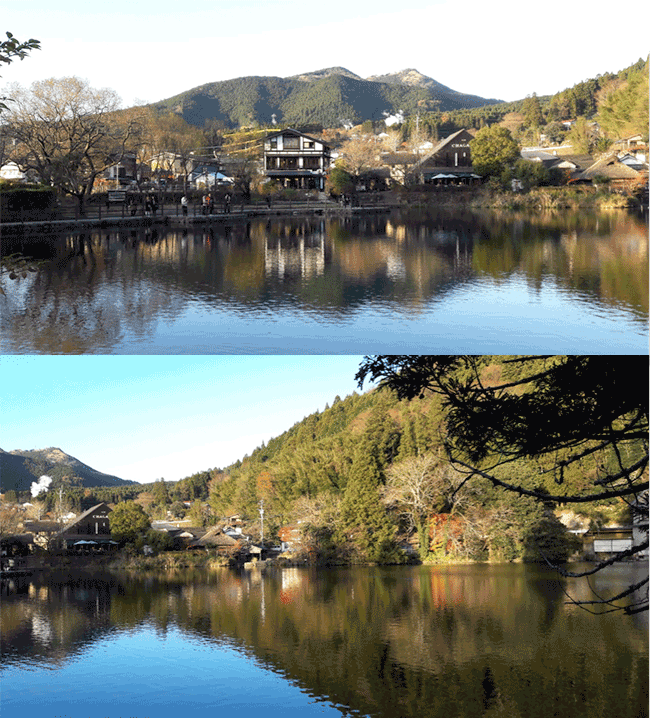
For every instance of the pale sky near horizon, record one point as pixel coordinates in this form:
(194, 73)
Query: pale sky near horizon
(145, 418)
(149, 50)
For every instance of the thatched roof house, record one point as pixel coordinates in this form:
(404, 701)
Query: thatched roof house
(610, 168)
(215, 538)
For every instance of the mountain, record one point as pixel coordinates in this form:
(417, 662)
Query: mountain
(325, 97)
(19, 469)
(319, 74)
(413, 78)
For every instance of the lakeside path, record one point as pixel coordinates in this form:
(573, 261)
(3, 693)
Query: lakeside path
(172, 218)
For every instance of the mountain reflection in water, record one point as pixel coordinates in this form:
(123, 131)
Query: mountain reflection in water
(483, 283)
(383, 641)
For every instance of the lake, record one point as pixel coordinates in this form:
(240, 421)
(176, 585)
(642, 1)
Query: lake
(452, 641)
(429, 282)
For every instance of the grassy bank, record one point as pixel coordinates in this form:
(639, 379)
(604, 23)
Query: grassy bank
(170, 560)
(539, 198)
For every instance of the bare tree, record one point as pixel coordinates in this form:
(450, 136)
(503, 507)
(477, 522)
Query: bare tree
(420, 485)
(360, 155)
(68, 133)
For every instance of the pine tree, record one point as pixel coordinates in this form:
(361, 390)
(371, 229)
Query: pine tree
(364, 520)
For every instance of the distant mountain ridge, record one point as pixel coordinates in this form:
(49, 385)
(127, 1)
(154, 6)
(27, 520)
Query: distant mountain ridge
(326, 97)
(19, 469)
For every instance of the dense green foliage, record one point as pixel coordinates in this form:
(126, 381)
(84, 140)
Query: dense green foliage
(493, 151)
(624, 111)
(619, 101)
(364, 524)
(334, 473)
(129, 522)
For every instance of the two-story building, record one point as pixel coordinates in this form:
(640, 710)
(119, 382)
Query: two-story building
(91, 528)
(449, 162)
(294, 159)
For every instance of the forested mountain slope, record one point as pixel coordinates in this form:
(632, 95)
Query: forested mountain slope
(19, 469)
(325, 97)
(306, 475)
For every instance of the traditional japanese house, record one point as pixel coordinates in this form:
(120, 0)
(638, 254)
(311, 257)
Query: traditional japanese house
(294, 159)
(618, 175)
(42, 532)
(215, 538)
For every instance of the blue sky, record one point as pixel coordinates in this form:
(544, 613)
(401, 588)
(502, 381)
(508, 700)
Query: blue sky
(143, 418)
(152, 49)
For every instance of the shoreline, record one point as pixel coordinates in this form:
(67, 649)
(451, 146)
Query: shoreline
(538, 199)
(166, 561)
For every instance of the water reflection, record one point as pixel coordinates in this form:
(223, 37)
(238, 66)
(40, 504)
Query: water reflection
(569, 281)
(380, 641)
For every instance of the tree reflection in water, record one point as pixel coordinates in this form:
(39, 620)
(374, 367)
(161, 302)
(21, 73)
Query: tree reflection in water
(436, 278)
(458, 640)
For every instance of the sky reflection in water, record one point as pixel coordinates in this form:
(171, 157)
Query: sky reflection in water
(450, 283)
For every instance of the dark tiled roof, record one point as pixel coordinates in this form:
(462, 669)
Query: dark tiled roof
(83, 516)
(42, 526)
(399, 158)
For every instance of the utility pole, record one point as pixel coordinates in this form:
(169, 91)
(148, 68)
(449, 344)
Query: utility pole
(60, 516)
(262, 521)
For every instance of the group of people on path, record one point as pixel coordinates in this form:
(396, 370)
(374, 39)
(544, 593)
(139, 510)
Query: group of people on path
(207, 204)
(149, 203)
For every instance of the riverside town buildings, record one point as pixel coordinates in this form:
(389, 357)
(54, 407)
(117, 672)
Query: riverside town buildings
(296, 160)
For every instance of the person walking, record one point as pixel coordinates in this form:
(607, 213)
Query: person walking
(184, 205)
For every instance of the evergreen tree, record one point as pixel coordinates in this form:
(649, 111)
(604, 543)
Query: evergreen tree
(364, 521)
(533, 111)
(407, 445)
(128, 521)
(382, 430)
(493, 150)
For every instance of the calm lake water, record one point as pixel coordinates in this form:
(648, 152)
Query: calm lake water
(390, 642)
(464, 282)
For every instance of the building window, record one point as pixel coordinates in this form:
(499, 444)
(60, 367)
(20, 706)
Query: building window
(274, 143)
(288, 163)
(291, 143)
